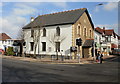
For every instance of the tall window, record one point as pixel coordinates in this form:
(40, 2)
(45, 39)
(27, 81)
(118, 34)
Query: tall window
(32, 33)
(85, 32)
(57, 46)
(78, 30)
(106, 39)
(44, 32)
(32, 46)
(90, 34)
(43, 46)
(58, 31)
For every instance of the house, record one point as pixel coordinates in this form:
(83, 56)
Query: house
(97, 39)
(108, 40)
(6, 41)
(59, 31)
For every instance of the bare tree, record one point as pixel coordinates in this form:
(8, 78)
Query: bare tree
(53, 38)
(20, 34)
(36, 35)
(20, 37)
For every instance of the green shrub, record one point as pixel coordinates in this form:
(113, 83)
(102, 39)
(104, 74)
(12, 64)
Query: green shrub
(10, 51)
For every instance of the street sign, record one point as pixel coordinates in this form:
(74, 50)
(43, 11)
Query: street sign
(79, 41)
(73, 49)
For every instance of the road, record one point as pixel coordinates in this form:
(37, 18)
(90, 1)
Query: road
(24, 71)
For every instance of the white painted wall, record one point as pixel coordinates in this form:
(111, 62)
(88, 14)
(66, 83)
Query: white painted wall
(7, 43)
(65, 31)
(98, 35)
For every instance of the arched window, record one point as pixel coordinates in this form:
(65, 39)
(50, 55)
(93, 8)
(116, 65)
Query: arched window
(85, 32)
(32, 32)
(44, 32)
(58, 31)
(90, 34)
(78, 30)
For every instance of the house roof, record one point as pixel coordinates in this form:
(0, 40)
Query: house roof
(107, 32)
(4, 36)
(114, 45)
(88, 43)
(59, 18)
(99, 30)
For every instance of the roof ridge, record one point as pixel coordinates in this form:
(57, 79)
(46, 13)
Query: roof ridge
(62, 11)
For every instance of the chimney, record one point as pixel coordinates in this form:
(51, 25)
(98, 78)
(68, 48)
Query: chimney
(32, 19)
(103, 28)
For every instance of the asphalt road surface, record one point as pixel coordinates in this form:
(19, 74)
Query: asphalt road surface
(24, 71)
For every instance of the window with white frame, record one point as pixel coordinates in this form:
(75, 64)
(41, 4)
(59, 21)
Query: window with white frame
(32, 46)
(58, 31)
(90, 34)
(85, 32)
(43, 46)
(32, 32)
(78, 30)
(44, 32)
(57, 46)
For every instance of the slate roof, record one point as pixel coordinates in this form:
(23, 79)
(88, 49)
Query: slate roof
(4, 36)
(59, 18)
(88, 43)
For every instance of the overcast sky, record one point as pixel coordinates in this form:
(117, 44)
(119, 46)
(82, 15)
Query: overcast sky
(17, 14)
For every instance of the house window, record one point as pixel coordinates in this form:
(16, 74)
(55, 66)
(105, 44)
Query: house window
(78, 30)
(44, 32)
(85, 32)
(2, 42)
(32, 45)
(109, 39)
(90, 34)
(99, 39)
(58, 31)
(95, 37)
(58, 46)
(106, 39)
(32, 33)
(8, 41)
(43, 46)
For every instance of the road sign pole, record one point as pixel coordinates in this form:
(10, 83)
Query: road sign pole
(79, 54)
(79, 43)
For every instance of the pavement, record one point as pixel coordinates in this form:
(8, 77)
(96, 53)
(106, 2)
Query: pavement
(90, 60)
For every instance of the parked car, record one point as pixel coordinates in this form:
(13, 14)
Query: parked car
(116, 52)
(2, 52)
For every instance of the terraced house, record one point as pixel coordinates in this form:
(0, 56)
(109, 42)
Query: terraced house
(106, 40)
(56, 32)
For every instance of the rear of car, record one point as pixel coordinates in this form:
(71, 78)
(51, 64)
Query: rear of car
(2, 52)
